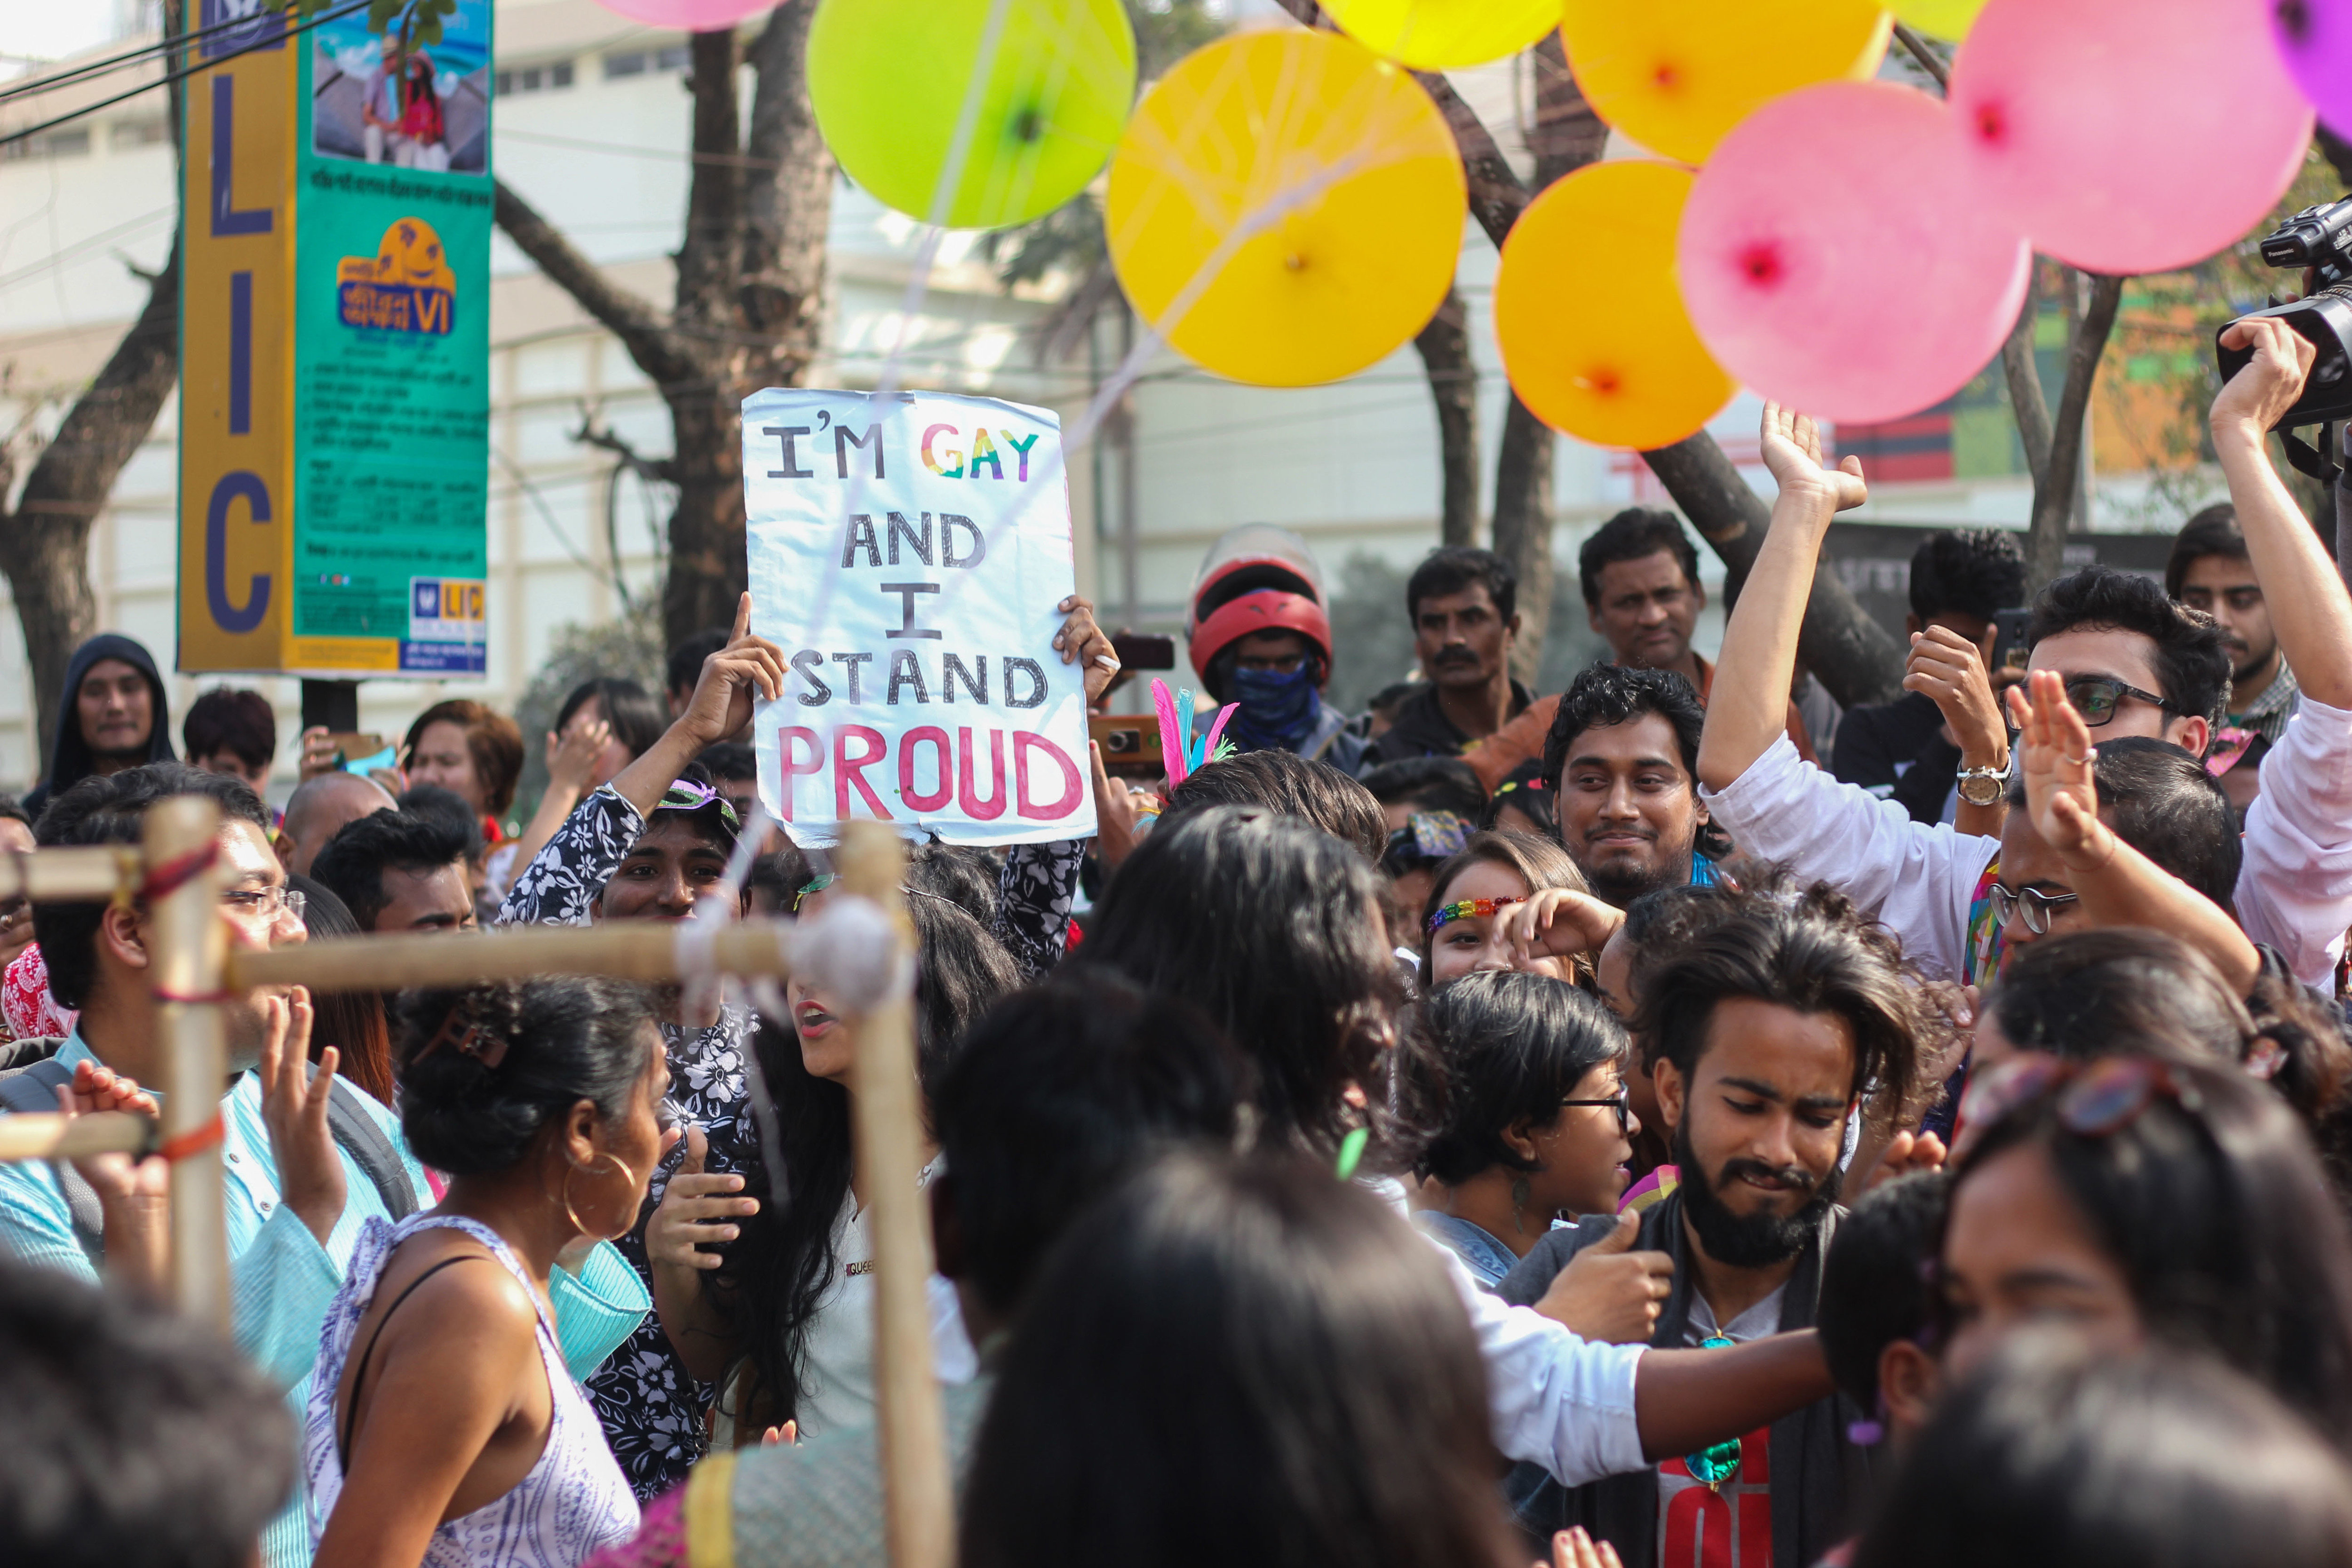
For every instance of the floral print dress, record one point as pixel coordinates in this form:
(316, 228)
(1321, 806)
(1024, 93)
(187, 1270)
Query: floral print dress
(653, 1410)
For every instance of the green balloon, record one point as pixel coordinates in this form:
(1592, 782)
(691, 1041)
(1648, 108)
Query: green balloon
(888, 80)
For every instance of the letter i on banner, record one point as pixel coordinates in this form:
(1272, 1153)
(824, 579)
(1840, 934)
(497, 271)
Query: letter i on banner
(909, 553)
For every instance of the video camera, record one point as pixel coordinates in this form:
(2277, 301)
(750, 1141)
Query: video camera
(2319, 238)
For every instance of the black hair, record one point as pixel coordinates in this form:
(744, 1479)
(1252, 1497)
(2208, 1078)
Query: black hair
(2192, 666)
(111, 809)
(137, 1437)
(733, 761)
(1060, 1092)
(233, 720)
(1385, 700)
(563, 1041)
(352, 863)
(1451, 568)
(779, 877)
(1656, 926)
(1812, 953)
(447, 807)
(351, 1021)
(13, 810)
(1246, 1363)
(1428, 784)
(2213, 531)
(2056, 1454)
(1607, 694)
(1311, 792)
(2221, 1222)
(964, 877)
(636, 716)
(1523, 790)
(771, 1278)
(2160, 800)
(1271, 929)
(1636, 533)
(1974, 571)
(1876, 1280)
(684, 669)
(1507, 1048)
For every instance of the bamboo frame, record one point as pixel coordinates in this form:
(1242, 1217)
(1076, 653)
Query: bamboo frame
(187, 937)
(624, 950)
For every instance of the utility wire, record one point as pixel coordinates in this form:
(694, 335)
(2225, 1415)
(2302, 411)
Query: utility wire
(167, 79)
(138, 56)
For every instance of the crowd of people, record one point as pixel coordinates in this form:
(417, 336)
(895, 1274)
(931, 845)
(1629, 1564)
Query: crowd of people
(1669, 1121)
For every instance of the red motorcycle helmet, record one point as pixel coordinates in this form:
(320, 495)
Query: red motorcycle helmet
(1257, 578)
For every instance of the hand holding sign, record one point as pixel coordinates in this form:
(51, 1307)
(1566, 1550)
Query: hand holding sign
(749, 666)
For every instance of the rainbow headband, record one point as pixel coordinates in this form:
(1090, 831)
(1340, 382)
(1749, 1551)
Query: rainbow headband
(1464, 909)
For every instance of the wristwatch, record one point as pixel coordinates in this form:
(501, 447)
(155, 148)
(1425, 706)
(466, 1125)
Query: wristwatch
(1983, 787)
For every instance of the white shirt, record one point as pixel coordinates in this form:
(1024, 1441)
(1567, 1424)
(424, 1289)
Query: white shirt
(1561, 1401)
(2293, 892)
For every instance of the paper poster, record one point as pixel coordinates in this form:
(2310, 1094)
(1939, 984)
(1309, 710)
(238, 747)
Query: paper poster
(908, 553)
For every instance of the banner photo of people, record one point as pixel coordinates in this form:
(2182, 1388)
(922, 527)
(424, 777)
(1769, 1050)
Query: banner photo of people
(910, 552)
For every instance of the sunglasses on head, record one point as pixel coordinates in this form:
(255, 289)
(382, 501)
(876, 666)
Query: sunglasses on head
(2096, 697)
(689, 795)
(2093, 1100)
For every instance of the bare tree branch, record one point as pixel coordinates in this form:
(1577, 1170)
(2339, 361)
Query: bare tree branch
(627, 316)
(1930, 59)
(2024, 377)
(1444, 346)
(605, 438)
(2053, 493)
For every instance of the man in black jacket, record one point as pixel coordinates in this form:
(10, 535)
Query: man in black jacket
(1905, 751)
(1764, 1028)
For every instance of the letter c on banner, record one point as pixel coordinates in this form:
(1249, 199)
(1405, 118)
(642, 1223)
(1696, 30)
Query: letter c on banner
(788, 738)
(848, 771)
(237, 482)
(909, 797)
(1073, 791)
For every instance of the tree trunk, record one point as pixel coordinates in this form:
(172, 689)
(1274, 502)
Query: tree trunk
(1444, 346)
(749, 305)
(2056, 490)
(2024, 378)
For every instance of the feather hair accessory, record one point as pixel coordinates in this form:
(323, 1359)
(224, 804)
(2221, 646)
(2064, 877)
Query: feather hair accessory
(1185, 752)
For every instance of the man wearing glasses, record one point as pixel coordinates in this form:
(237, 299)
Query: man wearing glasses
(2134, 663)
(308, 1160)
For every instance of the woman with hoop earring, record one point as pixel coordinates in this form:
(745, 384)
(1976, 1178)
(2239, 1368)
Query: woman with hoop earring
(444, 1428)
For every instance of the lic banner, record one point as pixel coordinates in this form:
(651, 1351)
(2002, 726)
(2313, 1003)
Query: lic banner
(908, 553)
(335, 347)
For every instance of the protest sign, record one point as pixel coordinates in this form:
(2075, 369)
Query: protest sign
(908, 552)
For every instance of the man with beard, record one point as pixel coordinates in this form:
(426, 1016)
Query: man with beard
(2209, 569)
(1463, 606)
(1767, 1023)
(308, 1160)
(1622, 760)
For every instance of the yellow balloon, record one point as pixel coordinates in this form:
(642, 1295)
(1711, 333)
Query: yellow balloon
(1589, 318)
(1677, 75)
(1444, 34)
(1945, 18)
(1286, 208)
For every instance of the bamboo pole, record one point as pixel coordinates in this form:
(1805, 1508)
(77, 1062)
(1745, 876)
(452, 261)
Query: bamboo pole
(187, 940)
(626, 950)
(918, 1506)
(45, 1135)
(80, 876)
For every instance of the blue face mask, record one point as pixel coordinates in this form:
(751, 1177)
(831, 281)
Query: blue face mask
(1276, 712)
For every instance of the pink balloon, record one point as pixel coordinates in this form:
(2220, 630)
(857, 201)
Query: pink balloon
(2127, 135)
(1826, 262)
(2314, 39)
(691, 16)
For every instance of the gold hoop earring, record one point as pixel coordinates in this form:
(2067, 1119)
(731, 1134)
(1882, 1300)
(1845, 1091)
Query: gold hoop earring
(572, 1214)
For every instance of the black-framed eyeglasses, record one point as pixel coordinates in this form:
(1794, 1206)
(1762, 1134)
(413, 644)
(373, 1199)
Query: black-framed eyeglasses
(2096, 697)
(2032, 903)
(1621, 1102)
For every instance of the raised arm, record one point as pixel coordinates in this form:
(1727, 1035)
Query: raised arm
(2309, 608)
(2118, 885)
(748, 667)
(1748, 709)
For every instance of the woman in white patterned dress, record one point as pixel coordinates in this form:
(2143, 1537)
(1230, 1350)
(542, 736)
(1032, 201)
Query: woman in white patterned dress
(443, 1427)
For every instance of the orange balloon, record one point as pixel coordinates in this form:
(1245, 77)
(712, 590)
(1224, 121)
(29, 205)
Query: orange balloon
(1677, 75)
(1588, 316)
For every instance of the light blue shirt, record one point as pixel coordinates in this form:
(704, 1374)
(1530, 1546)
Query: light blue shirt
(282, 1281)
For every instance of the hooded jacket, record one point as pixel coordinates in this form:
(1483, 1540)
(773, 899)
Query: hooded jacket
(69, 759)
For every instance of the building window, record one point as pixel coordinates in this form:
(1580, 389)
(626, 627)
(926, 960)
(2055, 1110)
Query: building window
(646, 63)
(138, 132)
(535, 78)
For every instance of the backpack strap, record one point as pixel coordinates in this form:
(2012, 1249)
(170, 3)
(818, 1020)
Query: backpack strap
(34, 1089)
(360, 1136)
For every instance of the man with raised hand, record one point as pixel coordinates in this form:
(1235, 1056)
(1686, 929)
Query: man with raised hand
(2130, 662)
